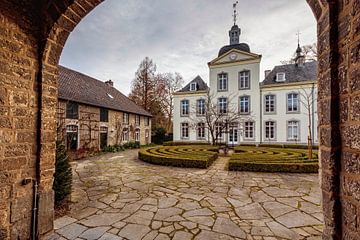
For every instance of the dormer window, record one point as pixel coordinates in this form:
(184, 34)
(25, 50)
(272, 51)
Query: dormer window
(193, 86)
(280, 77)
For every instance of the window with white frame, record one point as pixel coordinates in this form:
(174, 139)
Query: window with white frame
(270, 103)
(193, 86)
(270, 130)
(293, 130)
(280, 77)
(200, 107)
(249, 129)
(201, 130)
(219, 131)
(244, 80)
(244, 105)
(137, 135)
(184, 130)
(185, 107)
(137, 120)
(293, 102)
(125, 135)
(222, 82)
(125, 118)
(223, 105)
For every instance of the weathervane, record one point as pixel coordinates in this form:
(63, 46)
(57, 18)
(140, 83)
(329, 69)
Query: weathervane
(235, 14)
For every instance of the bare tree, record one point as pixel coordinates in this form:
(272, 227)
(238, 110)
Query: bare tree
(168, 84)
(308, 100)
(118, 130)
(89, 124)
(309, 52)
(60, 124)
(218, 120)
(143, 86)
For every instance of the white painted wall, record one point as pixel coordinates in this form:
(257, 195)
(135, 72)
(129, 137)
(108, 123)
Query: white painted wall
(282, 116)
(256, 92)
(232, 68)
(191, 119)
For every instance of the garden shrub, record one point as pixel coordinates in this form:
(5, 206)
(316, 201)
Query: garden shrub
(265, 159)
(63, 173)
(171, 143)
(158, 136)
(120, 148)
(180, 156)
(292, 146)
(131, 145)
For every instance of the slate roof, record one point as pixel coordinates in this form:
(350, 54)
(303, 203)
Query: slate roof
(293, 73)
(78, 87)
(200, 85)
(242, 47)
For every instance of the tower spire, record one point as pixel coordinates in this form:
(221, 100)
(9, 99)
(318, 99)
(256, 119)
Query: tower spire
(300, 58)
(235, 31)
(235, 12)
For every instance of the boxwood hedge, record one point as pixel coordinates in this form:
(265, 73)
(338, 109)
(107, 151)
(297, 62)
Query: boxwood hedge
(178, 143)
(292, 146)
(265, 159)
(180, 156)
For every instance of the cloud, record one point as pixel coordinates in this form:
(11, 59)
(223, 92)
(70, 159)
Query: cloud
(181, 35)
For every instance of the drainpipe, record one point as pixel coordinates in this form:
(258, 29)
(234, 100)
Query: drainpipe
(261, 112)
(39, 76)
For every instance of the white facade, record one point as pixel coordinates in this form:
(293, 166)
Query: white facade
(191, 119)
(283, 117)
(233, 64)
(274, 111)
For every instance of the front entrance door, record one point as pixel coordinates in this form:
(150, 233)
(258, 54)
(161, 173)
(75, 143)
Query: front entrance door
(233, 136)
(103, 137)
(72, 137)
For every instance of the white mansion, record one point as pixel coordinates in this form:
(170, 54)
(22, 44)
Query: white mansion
(280, 109)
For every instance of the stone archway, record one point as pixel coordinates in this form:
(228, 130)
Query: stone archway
(32, 35)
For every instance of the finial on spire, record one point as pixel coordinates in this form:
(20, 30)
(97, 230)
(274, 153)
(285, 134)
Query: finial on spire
(298, 36)
(235, 13)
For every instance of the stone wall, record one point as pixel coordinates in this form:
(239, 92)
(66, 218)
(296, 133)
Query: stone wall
(18, 116)
(89, 126)
(32, 35)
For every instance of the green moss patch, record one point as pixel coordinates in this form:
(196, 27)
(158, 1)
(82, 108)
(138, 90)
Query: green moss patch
(180, 156)
(268, 159)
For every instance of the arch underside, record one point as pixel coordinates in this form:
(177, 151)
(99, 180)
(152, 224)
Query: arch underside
(39, 46)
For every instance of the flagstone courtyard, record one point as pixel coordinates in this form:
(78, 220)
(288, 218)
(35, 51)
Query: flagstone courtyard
(116, 196)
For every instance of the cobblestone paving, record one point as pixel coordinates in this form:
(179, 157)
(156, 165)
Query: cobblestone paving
(117, 196)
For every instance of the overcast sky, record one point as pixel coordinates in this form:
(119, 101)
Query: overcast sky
(182, 35)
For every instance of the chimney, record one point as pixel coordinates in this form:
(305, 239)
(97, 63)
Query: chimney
(267, 72)
(110, 83)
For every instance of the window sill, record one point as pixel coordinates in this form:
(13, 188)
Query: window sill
(269, 113)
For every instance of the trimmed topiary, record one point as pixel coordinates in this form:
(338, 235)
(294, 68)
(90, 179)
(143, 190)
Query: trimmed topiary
(180, 156)
(171, 143)
(265, 159)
